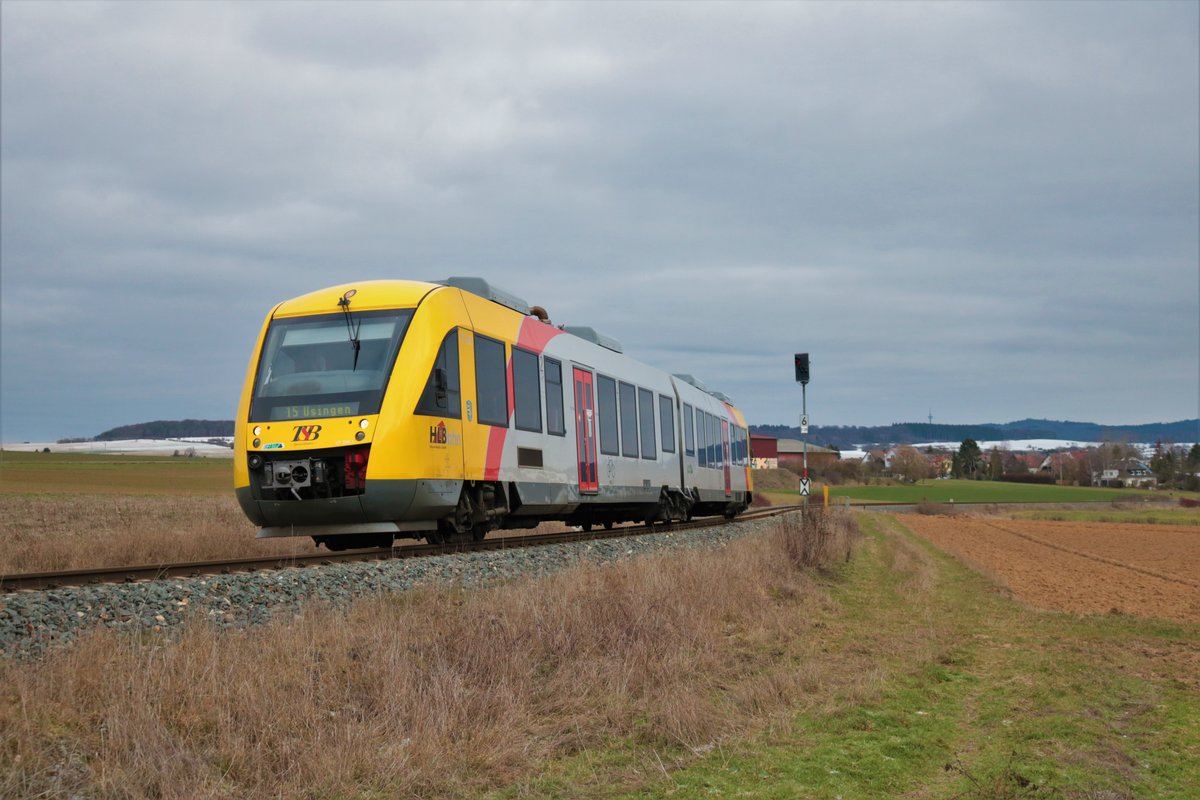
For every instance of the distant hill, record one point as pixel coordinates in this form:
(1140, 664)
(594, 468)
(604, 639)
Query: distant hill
(847, 436)
(169, 429)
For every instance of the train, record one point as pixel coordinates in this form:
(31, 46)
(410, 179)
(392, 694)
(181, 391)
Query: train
(443, 410)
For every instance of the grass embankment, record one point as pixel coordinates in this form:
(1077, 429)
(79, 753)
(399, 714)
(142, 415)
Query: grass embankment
(973, 696)
(730, 673)
(72, 511)
(434, 693)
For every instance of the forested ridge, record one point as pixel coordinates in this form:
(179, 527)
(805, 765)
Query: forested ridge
(169, 429)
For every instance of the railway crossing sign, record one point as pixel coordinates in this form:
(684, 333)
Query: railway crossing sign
(804, 487)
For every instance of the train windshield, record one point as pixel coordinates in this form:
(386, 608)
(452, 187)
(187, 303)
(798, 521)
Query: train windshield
(327, 365)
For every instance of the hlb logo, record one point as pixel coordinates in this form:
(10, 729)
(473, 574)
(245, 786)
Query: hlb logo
(307, 433)
(437, 433)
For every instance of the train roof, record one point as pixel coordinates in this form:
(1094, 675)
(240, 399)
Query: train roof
(410, 292)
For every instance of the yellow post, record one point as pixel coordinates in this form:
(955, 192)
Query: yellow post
(825, 487)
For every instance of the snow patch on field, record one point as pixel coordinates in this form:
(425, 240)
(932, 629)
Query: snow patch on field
(153, 447)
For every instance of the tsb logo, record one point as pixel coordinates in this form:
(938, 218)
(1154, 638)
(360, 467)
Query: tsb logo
(306, 433)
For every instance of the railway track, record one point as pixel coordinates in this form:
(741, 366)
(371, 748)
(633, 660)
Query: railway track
(34, 581)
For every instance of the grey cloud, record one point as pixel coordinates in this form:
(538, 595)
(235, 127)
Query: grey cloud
(956, 205)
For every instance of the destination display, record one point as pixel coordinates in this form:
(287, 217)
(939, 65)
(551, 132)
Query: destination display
(314, 411)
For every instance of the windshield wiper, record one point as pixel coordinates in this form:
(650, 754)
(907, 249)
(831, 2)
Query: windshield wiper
(351, 328)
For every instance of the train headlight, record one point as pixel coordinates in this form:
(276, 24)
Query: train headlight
(364, 423)
(257, 442)
(360, 436)
(257, 430)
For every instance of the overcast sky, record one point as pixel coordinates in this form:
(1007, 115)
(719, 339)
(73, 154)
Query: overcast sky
(987, 211)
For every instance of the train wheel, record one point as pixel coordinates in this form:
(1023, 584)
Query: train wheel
(587, 527)
(608, 523)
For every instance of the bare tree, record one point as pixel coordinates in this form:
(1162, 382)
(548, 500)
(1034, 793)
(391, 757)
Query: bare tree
(909, 463)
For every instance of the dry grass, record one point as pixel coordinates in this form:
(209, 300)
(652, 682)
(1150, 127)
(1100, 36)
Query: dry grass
(440, 692)
(51, 532)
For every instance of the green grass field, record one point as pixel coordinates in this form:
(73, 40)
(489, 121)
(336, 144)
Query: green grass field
(82, 473)
(959, 491)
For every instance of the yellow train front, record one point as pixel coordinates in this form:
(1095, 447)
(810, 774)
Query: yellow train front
(388, 409)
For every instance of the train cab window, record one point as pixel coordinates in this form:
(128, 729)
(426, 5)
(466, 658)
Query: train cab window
(491, 381)
(442, 397)
(527, 391)
(629, 424)
(314, 366)
(555, 419)
(689, 440)
(646, 418)
(666, 419)
(606, 401)
(702, 437)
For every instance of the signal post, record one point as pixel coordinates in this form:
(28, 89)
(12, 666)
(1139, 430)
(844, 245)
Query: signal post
(802, 379)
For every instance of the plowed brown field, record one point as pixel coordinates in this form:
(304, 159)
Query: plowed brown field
(1083, 567)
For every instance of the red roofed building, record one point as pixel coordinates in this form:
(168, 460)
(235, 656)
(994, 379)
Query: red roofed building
(764, 451)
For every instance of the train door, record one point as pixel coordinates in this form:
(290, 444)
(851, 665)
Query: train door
(725, 459)
(585, 431)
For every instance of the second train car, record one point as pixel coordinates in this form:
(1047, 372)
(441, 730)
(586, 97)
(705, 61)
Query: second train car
(440, 410)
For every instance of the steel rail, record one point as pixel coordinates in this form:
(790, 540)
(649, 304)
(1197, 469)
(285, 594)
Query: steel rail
(35, 581)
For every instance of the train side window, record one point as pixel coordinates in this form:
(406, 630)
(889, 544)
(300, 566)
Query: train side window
(491, 381)
(646, 417)
(666, 419)
(555, 419)
(689, 439)
(701, 437)
(629, 424)
(711, 423)
(442, 395)
(527, 391)
(606, 400)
